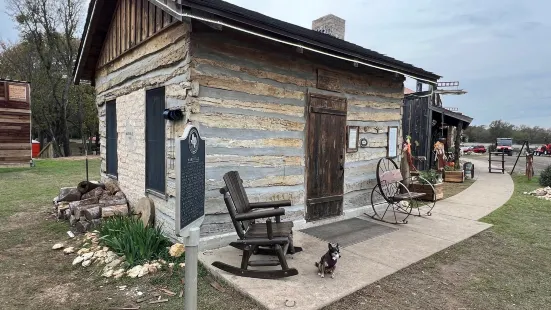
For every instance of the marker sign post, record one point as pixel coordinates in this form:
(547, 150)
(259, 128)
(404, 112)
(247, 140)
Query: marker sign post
(190, 204)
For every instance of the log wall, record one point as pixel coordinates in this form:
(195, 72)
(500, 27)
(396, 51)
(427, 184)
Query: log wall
(15, 123)
(247, 96)
(251, 110)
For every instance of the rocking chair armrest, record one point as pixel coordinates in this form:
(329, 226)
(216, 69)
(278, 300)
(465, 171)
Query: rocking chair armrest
(259, 214)
(270, 204)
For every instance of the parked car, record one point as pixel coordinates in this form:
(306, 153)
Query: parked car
(479, 149)
(543, 150)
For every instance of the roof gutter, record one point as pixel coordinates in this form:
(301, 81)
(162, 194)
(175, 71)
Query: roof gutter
(355, 61)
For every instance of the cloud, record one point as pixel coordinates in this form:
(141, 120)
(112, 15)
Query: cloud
(498, 50)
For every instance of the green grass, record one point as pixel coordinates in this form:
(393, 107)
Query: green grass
(42, 278)
(23, 189)
(505, 267)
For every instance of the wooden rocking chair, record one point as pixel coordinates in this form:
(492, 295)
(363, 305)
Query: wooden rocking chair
(257, 238)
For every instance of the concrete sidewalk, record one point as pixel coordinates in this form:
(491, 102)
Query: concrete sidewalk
(453, 220)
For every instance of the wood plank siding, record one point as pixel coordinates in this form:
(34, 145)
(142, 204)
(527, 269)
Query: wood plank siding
(251, 110)
(134, 22)
(15, 123)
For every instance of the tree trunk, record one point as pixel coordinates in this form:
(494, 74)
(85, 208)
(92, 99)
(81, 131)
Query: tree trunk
(114, 210)
(97, 141)
(69, 194)
(95, 193)
(79, 211)
(113, 201)
(75, 204)
(112, 187)
(67, 214)
(92, 213)
(82, 226)
(86, 186)
(61, 208)
(95, 223)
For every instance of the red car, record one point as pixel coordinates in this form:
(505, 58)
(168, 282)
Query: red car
(479, 149)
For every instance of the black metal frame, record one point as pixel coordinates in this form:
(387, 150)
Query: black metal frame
(395, 193)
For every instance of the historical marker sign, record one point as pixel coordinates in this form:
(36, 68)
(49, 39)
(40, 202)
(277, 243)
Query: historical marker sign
(190, 181)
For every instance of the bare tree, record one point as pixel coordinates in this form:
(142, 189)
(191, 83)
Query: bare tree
(50, 28)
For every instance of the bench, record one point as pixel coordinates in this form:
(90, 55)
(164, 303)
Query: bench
(396, 195)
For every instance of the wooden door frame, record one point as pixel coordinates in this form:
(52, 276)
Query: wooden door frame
(309, 97)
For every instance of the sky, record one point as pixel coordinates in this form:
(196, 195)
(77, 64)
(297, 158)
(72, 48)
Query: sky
(498, 50)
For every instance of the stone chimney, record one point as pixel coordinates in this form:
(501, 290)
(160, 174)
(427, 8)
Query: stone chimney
(331, 25)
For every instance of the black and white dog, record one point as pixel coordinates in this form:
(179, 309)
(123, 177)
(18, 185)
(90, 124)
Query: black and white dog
(328, 261)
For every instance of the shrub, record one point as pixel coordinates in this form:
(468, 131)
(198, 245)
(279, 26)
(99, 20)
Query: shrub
(430, 175)
(545, 177)
(129, 237)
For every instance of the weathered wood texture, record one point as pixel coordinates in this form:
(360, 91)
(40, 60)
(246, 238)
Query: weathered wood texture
(325, 156)
(15, 123)
(251, 110)
(248, 97)
(134, 22)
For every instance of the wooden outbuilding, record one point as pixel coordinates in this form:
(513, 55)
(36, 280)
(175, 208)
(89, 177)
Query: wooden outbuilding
(301, 113)
(15, 123)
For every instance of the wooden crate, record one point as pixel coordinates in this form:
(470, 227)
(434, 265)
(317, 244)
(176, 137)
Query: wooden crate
(425, 188)
(454, 176)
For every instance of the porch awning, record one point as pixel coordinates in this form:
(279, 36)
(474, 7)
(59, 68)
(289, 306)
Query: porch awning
(450, 118)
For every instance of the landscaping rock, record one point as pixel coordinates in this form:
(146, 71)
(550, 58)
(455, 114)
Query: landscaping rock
(88, 255)
(58, 246)
(86, 263)
(118, 273)
(114, 263)
(83, 250)
(78, 260)
(176, 250)
(108, 273)
(69, 250)
(135, 271)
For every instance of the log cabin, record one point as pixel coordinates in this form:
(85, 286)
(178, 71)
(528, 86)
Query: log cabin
(273, 100)
(15, 123)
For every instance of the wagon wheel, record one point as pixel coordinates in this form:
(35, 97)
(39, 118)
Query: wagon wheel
(387, 191)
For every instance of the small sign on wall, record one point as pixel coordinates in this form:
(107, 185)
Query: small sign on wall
(17, 92)
(392, 146)
(353, 134)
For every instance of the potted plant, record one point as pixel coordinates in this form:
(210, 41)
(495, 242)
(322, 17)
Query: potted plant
(453, 175)
(421, 185)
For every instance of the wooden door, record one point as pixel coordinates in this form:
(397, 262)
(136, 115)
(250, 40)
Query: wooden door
(326, 138)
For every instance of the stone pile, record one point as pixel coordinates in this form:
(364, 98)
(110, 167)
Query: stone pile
(114, 266)
(542, 193)
(87, 204)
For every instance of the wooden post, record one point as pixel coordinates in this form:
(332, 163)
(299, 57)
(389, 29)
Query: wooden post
(458, 131)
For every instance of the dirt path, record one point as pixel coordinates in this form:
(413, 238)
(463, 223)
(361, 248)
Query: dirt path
(36, 277)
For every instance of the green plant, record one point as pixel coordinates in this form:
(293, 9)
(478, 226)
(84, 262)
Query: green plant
(129, 237)
(449, 168)
(545, 176)
(430, 175)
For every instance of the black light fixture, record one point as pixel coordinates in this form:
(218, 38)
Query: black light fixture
(173, 115)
